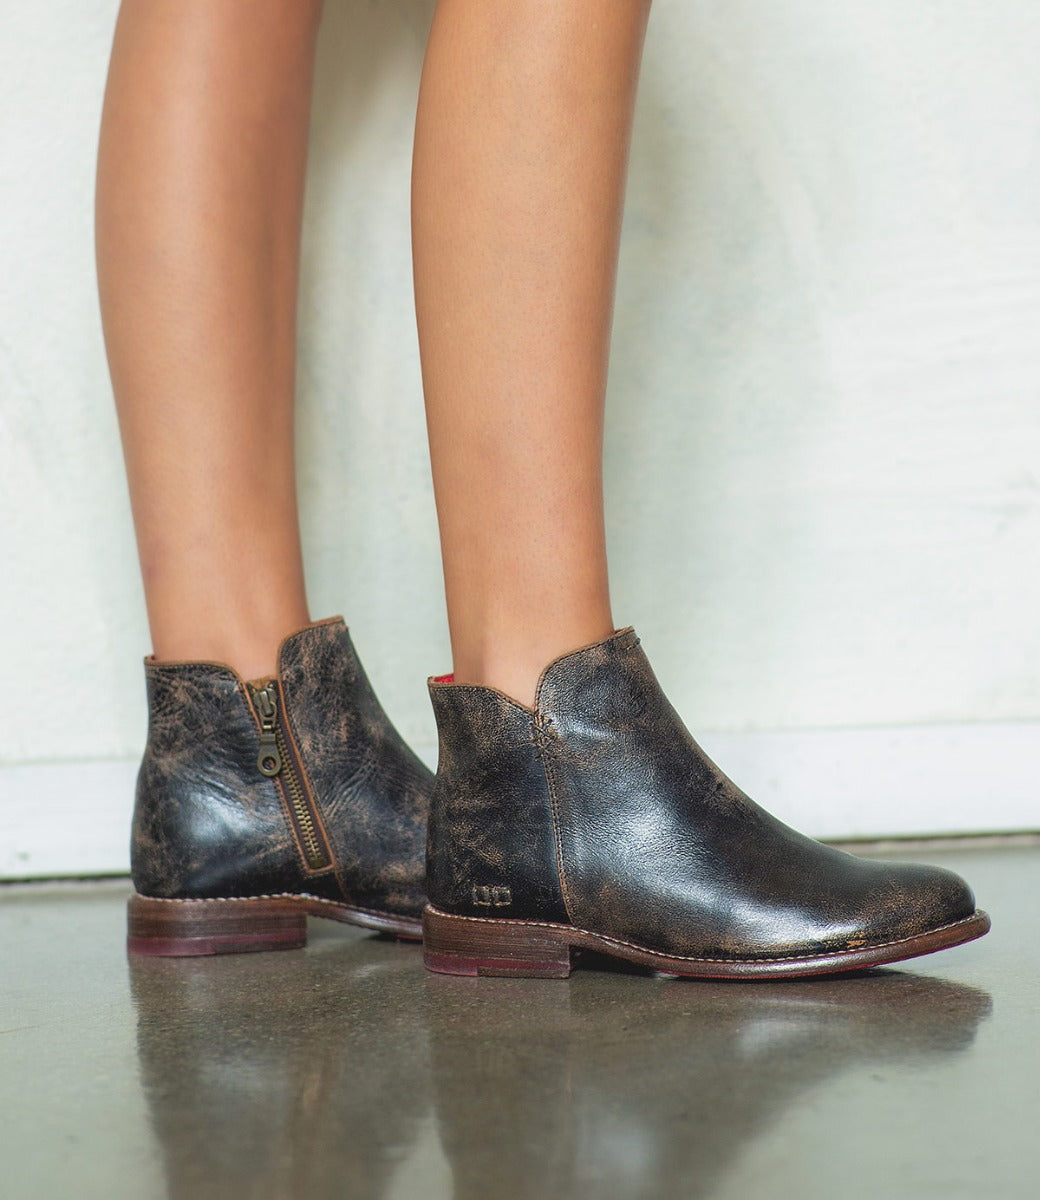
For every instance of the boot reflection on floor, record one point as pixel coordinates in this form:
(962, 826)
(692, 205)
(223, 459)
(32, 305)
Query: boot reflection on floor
(314, 1074)
(630, 1089)
(298, 1076)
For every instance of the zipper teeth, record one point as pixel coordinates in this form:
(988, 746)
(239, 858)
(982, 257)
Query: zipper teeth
(287, 772)
(298, 800)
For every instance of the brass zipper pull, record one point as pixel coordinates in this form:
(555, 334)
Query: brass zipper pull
(269, 760)
(279, 757)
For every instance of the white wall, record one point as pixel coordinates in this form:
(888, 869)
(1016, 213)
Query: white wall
(823, 449)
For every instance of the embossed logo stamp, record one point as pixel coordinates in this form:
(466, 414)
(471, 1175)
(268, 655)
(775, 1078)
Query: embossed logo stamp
(492, 897)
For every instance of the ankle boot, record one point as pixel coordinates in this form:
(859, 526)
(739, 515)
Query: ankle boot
(262, 803)
(594, 821)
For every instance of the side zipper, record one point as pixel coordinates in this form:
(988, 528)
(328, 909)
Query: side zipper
(278, 760)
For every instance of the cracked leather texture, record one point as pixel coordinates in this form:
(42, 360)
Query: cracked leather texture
(660, 848)
(373, 790)
(207, 824)
(490, 820)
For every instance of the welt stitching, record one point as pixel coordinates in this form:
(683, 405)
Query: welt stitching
(695, 957)
(311, 899)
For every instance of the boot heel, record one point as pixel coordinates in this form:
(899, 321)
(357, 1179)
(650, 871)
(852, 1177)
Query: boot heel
(186, 927)
(468, 946)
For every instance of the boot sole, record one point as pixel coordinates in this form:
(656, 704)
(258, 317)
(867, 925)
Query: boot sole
(237, 925)
(454, 945)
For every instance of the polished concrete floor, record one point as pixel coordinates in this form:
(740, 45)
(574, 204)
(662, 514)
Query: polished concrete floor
(344, 1070)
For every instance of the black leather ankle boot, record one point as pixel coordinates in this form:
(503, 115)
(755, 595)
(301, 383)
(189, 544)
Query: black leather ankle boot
(262, 803)
(594, 820)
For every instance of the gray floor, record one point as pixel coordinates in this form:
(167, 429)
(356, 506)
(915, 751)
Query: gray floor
(346, 1071)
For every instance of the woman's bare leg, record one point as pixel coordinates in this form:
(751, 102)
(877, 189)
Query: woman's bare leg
(521, 151)
(199, 198)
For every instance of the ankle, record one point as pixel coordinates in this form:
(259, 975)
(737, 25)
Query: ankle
(250, 648)
(513, 661)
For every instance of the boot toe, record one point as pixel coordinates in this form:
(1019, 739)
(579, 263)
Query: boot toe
(921, 899)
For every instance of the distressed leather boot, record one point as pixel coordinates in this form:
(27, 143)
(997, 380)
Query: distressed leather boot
(594, 821)
(262, 803)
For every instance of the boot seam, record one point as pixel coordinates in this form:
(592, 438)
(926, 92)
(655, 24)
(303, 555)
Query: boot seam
(561, 872)
(375, 912)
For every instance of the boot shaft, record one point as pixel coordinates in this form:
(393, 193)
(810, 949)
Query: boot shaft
(296, 783)
(491, 845)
